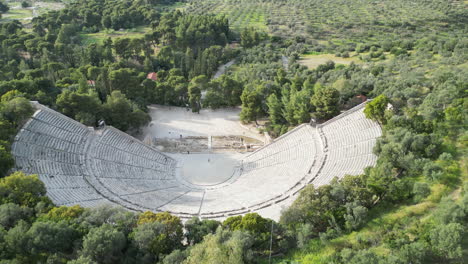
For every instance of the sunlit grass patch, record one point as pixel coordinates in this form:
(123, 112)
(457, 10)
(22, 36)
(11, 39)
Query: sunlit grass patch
(312, 61)
(100, 36)
(18, 14)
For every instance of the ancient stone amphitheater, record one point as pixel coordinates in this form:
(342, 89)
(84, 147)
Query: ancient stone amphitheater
(86, 166)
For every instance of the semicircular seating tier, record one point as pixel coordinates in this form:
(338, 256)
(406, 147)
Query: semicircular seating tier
(81, 165)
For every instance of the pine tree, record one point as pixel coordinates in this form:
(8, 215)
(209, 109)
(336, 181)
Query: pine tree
(275, 109)
(325, 101)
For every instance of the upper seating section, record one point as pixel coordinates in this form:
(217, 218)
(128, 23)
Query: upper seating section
(65, 153)
(53, 146)
(349, 140)
(297, 144)
(52, 138)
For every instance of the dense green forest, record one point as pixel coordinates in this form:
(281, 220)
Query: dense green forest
(412, 207)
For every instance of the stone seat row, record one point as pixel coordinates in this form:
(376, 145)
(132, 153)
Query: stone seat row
(42, 153)
(346, 137)
(290, 150)
(49, 141)
(61, 121)
(59, 181)
(66, 196)
(107, 169)
(360, 148)
(47, 167)
(354, 122)
(117, 139)
(338, 167)
(108, 153)
(137, 186)
(297, 136)
(286, 159)
(45, 128)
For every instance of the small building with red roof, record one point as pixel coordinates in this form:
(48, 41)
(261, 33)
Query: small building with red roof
(91, 83)
(152, 76)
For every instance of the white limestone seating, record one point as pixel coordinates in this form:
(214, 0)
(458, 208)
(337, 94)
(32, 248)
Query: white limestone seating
(52, 146)
(80, 165)
(350, 138)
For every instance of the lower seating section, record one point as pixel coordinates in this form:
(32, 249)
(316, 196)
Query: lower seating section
(124, 165)
(266, 175)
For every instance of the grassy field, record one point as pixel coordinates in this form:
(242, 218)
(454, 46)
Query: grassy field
(16, 12)
(240, 16)
(25, 15)
(312, 61)
(99, 37)
(355, 21)
(319, 252)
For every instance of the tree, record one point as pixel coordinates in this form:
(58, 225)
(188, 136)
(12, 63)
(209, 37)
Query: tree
(16, 111)
(64, 213)
(275, 109)
(253, 222)
(66, 34)
(8, 96)
(446, 240)
(25, 4)
(249, 37)
(355, 215)
(123, 220)
(325, 100)
(83, 107)
(151, 239)
(224, 247)
(7, 130)
(251, 104)
(359, 256)
(119, 112)
(449, 212)
(375, 109)
(6, 161)
(176, 256)
(16, 241)
(304, 235)
(197, 85)
(172, 226)
(296, 105)
(122, 47)
(126, 81)
(104, 244)
(415, 252)
(316, 206)
(11, 213)
(23, 190)
(420, 191)
(82, 260)
(46, 238)
(259, 227)
(196, 229)
(4, 7)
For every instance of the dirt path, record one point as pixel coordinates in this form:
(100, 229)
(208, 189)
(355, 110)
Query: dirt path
(222, 69)
(285, 61)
